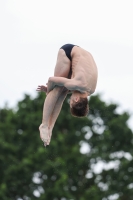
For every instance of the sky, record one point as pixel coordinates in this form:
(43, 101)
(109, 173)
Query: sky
(32, 31)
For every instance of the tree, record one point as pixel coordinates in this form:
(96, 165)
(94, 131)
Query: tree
(62, 171)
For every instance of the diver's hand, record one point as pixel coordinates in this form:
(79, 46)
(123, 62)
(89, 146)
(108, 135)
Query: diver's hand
(42, 88)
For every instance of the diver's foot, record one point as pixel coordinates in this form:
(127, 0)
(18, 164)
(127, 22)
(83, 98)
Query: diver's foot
(44, 134)
(49, 136)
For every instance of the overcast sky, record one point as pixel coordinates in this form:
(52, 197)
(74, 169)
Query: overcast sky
(32, 31)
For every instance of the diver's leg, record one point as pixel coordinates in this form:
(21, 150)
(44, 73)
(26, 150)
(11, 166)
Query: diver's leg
(56, 111)
(55, 98)
(48, 111)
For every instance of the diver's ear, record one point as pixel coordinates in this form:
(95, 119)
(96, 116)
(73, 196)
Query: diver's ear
(77, 99)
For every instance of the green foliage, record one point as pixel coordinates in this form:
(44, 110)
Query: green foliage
(29, 171)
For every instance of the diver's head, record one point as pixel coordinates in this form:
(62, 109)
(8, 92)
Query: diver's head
(79, 104)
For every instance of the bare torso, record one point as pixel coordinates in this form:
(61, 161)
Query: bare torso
(84, 68)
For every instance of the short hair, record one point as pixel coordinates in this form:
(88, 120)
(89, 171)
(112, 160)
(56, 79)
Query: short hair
(81, 108)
